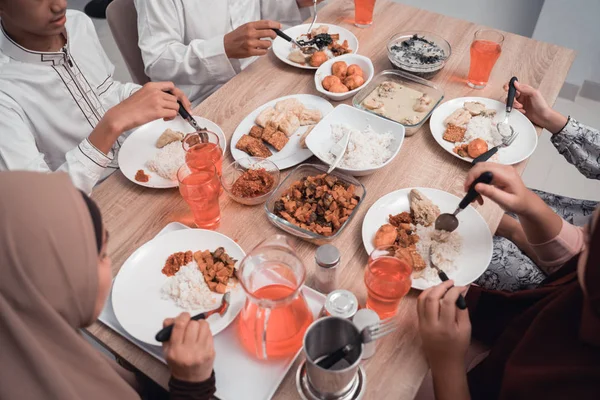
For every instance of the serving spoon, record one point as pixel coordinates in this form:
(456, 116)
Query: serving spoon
(448, 222)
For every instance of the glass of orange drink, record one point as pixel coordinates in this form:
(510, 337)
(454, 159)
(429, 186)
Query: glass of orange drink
(200, 189)
(485, 51)
(363, 13)
(388, 280)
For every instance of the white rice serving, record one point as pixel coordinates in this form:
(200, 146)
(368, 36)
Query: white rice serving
(167, 160)
(446, 250)
(366, 149)
(483, 128)
(188, 289)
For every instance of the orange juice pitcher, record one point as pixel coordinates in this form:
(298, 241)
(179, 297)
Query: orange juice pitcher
(276, 315)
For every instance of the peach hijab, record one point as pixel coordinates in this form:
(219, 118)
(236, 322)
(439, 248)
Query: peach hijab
(48, 287)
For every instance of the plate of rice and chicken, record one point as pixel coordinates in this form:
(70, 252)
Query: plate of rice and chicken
(153, 153)
(185, 270)
(466, 127)
(405, 218)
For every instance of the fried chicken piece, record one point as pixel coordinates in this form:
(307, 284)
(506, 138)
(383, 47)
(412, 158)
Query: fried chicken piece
(412, 257)
(309, 117)
(169, 136)
(265, 116)
(256, 132)
(253, 146)
(424, 212)
(289, 124)
(406, 238)
(462, 150)
(386, 235)
(454, 133)
(460, 117)
(278, 140)
(402, 218)
(474, 107)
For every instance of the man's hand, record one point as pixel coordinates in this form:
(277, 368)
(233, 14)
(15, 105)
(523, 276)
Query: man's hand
(246, 41)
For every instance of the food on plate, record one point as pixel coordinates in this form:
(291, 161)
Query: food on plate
(339, 69)
(416, 238)
(366, 149)
(354, 81)
(217, 267)
(253, 183)
(454, 133)
(399, 103)
(480, 131)
(320, 204)
(418, 55)
(253, 146)
(167, 160)
(176, 261)
(169, 136)
(477, 147)
(330, 81)
(423, 211)
(318, 46)
(344, 78)
(318, 58)
(141, 176)
(200, 275)
(274, 126)
(304, 136)
(354, 69)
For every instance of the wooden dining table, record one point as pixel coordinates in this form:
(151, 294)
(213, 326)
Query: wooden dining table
(134, 214)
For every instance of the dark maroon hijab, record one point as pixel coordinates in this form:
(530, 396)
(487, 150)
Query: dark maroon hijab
(545, 342)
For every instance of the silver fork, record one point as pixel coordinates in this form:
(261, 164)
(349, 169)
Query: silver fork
(314, 18)
(368, 334)
(506, 141)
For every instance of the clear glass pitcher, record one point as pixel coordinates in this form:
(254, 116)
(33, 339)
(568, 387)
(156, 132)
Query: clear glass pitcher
(276, 315)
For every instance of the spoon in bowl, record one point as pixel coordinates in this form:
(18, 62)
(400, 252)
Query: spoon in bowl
(448, 222)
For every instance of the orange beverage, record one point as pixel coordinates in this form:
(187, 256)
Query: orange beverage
(201, 154)
(485, 51)
(200, 190)
(285, 326)
(388, 280)
(363, 12)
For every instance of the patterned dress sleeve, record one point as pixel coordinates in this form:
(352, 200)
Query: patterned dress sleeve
(580, 145)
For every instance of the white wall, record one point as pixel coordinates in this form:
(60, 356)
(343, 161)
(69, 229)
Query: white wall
(574, 24)
(516, 16)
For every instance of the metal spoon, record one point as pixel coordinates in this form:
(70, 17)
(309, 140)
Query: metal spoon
(308, 50)
(314, 18)
(504, 128)
(338, 150)
(449, 222)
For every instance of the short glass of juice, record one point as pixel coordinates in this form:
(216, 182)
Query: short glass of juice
(363, 13)
(485, 51)
(388, 280)
(199, 154)
(200, 189)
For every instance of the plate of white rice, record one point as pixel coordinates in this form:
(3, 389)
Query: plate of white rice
(142, 296)
(374, 141)
(485, 128)
(139, 151)
(464, 256)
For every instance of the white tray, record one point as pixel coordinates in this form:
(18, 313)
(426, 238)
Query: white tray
(239, 376)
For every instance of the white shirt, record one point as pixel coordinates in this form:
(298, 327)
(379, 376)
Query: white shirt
(51, 102)
(182, 40)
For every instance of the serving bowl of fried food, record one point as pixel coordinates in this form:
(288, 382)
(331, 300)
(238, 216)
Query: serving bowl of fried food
(342, 77)
(313, 205)
(251, 180)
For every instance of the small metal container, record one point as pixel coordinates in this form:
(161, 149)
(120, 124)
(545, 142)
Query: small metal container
(340, 303)
(327, 259)
(322, 338)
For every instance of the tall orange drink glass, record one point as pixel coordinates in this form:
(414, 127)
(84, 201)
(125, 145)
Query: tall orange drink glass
(363, 13)
(200, 155)
(200, 190)
(485, 51)
(388, 280)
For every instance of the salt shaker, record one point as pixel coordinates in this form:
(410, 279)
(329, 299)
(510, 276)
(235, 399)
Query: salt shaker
(363, 318)
(327, 258)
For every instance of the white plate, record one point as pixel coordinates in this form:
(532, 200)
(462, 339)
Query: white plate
(282, 48)
(523, 146)
(136, 296)
(477, 246)
(319, 141)
(140, 147)
(292, 154)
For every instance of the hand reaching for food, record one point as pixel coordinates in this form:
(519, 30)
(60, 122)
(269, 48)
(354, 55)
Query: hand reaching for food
(507, 188)
(190, 352)
(445, 329)
(247, 40)
(532, 104)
